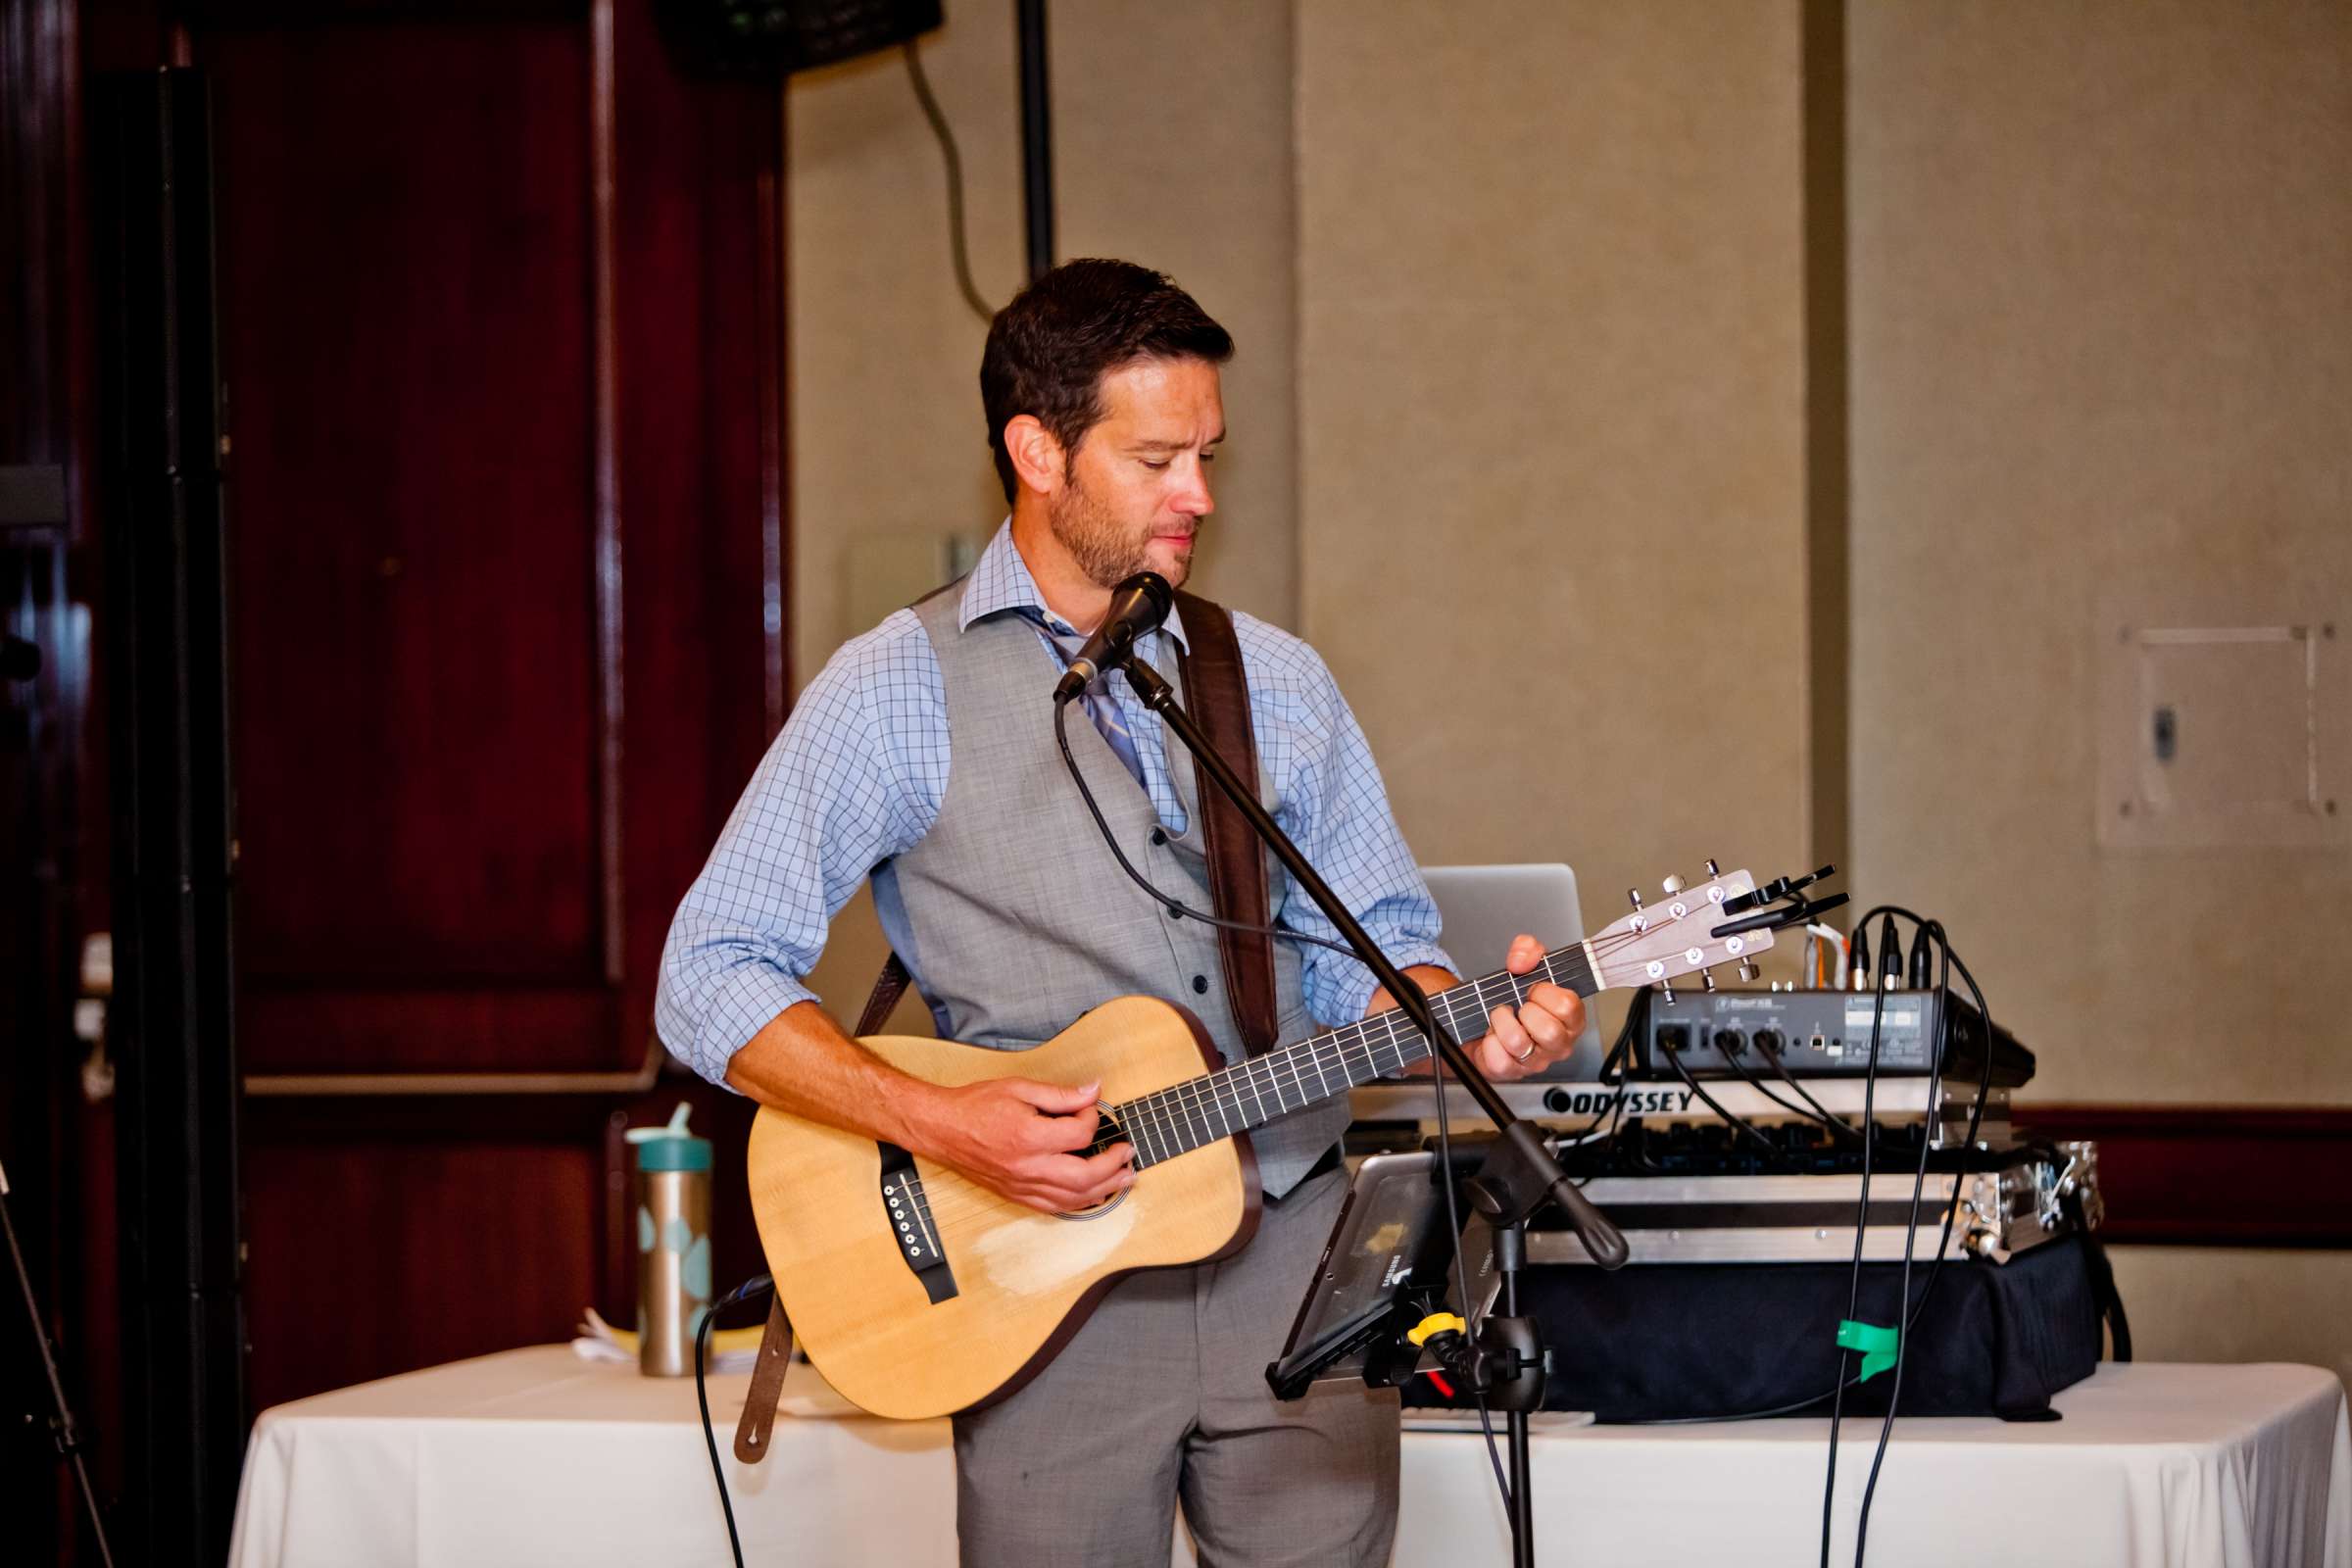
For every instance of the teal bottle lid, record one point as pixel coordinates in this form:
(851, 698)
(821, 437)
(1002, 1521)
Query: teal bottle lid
(674, 1153)
(672, 1147)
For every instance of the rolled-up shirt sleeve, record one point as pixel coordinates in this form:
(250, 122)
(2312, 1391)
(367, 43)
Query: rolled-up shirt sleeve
(1333, 801)
(842, 789)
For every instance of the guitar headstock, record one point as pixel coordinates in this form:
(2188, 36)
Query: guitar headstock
(1725, 920)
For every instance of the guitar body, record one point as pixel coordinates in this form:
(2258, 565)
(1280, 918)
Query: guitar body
(1021, 1282)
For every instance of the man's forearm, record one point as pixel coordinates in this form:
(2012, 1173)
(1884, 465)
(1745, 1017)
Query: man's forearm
(803, 1062)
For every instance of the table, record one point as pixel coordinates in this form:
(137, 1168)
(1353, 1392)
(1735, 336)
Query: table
(534, 1455)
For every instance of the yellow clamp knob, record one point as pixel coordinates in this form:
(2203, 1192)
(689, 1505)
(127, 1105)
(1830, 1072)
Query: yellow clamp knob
(1434, 1324)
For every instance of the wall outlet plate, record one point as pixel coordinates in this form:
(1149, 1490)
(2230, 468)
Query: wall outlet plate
(2223, 734)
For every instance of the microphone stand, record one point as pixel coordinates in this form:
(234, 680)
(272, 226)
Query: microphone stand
(63, 1433)
(1518, 1175)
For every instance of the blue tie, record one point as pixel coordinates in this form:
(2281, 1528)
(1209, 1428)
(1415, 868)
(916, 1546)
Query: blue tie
(1100, 705)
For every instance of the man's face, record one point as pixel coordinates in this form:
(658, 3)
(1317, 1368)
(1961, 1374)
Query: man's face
(1134, 495)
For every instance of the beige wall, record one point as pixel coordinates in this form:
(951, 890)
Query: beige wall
(2224, 1303)
(2102, 370)
(1552, 425)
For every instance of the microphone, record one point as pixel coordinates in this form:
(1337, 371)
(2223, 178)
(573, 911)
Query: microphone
(1137, 605)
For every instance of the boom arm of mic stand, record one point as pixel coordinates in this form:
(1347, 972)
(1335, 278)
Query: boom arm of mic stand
(1519, 1175)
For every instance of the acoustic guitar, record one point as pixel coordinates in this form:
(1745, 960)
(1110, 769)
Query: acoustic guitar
(918, 1293)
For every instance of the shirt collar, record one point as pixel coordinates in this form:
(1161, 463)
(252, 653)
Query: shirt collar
(1001, 583)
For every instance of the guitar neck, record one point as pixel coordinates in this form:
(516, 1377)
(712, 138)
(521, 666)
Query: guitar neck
(1250, 1094)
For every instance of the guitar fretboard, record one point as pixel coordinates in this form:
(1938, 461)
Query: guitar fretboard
(1250, 1094)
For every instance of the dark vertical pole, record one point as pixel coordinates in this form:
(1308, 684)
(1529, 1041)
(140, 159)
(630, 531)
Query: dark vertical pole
(1828, 446)
(167, 625)
(1037, 138)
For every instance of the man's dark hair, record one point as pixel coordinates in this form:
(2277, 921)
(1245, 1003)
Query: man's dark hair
(1048, 350)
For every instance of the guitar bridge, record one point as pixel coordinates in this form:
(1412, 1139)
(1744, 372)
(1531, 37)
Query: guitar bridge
(908, 1212)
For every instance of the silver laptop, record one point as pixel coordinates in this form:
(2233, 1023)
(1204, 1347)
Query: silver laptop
(1483, 906)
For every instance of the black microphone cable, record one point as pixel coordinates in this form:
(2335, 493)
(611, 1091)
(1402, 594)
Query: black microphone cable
(1949, 960)
(756, 1285)
(1906, 1316)
(1853, 1292)
(1182, 912)
(1893, 956)
(1810, 1112)
(1772, 1150)
(1826, 1116)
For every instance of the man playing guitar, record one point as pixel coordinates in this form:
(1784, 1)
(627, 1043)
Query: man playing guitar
(1101, 386)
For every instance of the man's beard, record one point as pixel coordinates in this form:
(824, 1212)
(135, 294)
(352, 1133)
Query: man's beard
(1107, 550)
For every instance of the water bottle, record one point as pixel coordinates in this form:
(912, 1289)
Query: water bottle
(673, 1244)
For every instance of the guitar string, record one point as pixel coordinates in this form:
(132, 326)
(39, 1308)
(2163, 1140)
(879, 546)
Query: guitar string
(1199, 1129)
(1213, 1091)
(1196, 1132)
(1391, 1030)
(1197, 1098)
(1210, 1091)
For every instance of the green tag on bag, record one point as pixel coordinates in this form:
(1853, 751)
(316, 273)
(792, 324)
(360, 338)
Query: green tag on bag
(1876, 1344)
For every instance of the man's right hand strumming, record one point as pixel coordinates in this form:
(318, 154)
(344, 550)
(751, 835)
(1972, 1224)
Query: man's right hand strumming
(1020, 1138)
(1014, 1136)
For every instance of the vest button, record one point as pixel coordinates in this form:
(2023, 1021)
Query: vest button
(1200, 984)
(1160, 835)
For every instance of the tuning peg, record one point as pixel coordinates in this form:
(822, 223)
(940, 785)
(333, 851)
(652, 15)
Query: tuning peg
(1749, 972)
(1713, 870)
(1708, 978)
(1634, 896)
(1673, 885)
(1666, 989)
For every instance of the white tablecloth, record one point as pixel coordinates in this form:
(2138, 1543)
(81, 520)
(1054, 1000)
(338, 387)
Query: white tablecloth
(535, 1456)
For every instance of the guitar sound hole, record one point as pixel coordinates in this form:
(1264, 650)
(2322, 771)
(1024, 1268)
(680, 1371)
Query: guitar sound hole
(1095, 1213)
(1107, 1134)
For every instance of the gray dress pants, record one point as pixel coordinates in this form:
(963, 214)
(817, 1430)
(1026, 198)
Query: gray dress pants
(1162, 1397)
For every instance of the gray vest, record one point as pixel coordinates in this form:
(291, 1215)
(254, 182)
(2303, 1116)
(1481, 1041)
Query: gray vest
(1012, 915)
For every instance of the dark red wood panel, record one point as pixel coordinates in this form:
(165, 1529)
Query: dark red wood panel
(702, 322)
(516, 1029)
(380, 1251)
(2223, 1176)
(500, 296)
(407, 337)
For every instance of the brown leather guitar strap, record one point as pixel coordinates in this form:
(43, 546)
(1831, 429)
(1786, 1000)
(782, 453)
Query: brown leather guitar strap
(775, 1346)
(889, 986)
(1219, 700)
(767, 1386)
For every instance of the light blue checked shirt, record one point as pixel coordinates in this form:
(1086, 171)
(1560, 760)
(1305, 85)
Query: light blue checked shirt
(859, 772)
